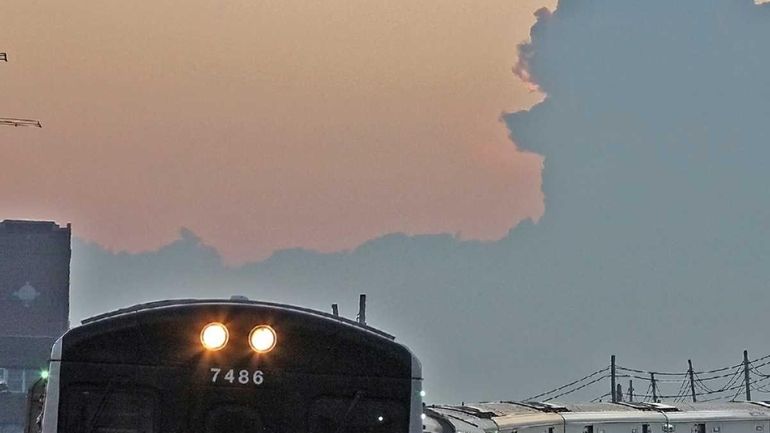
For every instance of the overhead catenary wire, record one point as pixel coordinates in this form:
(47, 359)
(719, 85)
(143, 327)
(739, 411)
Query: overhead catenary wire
(578, 388)
(671, 373)
(737, 392)
(713, 383)
(569, 384)
(734, 379)
(648, 392)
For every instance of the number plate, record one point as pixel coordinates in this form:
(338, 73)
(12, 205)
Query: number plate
(236, 376)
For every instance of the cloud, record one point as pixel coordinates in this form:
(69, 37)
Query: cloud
(300, 124)
(526, 52)
(655, 241)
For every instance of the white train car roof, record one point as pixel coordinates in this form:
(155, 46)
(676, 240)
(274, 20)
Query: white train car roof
(507, 417)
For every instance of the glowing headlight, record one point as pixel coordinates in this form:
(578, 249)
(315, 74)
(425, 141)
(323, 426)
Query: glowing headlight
(262, 339)
(214, 336)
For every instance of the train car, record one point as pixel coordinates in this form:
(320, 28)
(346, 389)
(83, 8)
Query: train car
(539, 417)
(235, 366)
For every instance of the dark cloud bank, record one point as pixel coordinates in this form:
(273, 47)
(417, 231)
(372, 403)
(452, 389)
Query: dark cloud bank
(656, 240)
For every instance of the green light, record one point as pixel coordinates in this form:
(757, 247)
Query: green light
(44, 374)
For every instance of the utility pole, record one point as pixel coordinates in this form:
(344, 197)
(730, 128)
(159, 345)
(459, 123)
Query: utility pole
(692, 380)
(654, 388)
(612, 379)
(619, 393)
(746, 376)
(630, 390)
(335, 310)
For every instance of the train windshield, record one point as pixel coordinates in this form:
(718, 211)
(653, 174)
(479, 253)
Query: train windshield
(234, 419)
(110, 410)
(357, 415)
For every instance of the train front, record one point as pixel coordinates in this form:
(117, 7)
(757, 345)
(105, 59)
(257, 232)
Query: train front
(235, 367)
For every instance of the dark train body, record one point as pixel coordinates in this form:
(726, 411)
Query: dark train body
(145, 369)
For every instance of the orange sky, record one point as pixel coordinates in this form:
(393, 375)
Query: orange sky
(265, 124)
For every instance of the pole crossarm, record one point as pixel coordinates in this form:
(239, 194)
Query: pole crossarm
(9, 121)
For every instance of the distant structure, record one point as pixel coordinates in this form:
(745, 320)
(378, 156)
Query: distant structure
(10, 121)
(34, 308)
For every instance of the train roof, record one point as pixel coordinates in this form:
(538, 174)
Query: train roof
(148, 306)
(487, 410)
(495, 416)
(168, 333)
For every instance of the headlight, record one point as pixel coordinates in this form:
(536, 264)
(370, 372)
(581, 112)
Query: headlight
(262, 338)
(214, 336)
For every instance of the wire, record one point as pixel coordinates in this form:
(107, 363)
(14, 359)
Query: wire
(578, 388)
(700, 379)
(670, 373)
(569, 384)
(732, 381)
(756, 368)
(681, 392)
(721, 376)
(737, 392)
(647, 393)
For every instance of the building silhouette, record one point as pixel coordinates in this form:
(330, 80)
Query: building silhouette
(34, 308)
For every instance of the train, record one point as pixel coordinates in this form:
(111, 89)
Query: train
(621, 417)
(242, 366)
(235, 366)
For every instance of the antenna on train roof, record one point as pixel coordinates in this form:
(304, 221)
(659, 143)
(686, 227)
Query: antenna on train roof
(335, 310)
(362, 309)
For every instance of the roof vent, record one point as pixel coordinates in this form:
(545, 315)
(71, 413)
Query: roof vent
(663, 407)
(545, 406)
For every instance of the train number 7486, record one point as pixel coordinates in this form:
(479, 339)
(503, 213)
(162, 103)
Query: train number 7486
(240, 377)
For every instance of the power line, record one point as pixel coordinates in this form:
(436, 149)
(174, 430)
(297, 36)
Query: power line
(578, 388)
(740, 388)
(734, 379)
(671, 373)
(714, 382)
(649, 389)
(569, 384)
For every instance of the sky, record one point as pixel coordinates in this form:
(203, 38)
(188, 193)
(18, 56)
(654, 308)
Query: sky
(653, 243)
(266, 125)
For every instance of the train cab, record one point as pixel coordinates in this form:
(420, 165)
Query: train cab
(230, 366)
